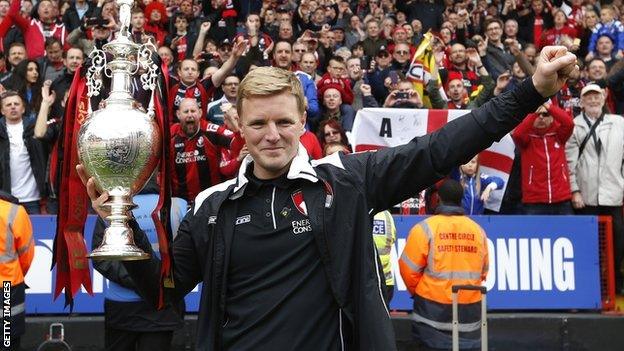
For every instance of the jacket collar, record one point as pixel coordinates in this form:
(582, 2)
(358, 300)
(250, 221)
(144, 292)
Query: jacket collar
(449, 210)
(300, 168)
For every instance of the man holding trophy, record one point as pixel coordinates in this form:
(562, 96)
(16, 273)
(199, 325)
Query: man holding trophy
(284, 250)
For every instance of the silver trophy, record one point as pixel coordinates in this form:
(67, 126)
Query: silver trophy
(120, 144)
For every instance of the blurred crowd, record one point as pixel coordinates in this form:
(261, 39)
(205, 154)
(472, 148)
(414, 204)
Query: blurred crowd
(348, 55)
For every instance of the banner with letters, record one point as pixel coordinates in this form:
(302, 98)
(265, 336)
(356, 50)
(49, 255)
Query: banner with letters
(536, 262)
(376, 128)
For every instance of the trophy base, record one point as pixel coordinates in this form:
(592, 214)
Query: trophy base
(118, 253)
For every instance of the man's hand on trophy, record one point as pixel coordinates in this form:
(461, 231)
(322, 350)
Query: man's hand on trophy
(97, 199)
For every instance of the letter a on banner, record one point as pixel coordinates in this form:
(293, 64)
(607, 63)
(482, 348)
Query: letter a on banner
(385, 131)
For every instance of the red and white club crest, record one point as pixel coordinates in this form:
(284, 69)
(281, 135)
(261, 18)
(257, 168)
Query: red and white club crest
(297, 198)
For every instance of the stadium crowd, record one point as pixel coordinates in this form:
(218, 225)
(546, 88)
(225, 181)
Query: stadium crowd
(347, 55)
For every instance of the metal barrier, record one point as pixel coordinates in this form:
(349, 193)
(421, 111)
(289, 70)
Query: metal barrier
(607, 269)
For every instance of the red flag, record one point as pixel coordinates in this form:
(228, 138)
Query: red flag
(69, 247)
(161, 214)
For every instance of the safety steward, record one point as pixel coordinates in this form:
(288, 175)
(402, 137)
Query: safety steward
(384, 235)
(16, 255)
(445, 250)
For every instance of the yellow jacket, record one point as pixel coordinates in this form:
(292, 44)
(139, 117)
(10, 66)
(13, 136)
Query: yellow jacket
(17, 247)
(384, 235)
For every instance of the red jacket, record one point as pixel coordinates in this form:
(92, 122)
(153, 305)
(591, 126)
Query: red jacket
(33, 31)
(545, 176)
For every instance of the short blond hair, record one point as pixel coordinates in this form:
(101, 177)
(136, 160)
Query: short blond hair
(268, 81)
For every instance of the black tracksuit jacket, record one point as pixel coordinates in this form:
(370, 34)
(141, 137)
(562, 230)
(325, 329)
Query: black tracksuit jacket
(341, 194)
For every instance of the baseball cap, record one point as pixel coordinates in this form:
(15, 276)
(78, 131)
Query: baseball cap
(592, 87)
(383, 49)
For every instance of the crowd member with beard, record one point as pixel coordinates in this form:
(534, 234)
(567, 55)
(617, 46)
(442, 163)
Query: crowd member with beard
(189, 84)
(540, 138)
(196, 152)
(37, 30)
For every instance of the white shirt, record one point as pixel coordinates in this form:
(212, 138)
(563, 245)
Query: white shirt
(23, 184)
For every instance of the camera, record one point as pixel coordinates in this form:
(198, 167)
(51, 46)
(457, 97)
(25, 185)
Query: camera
(402, 95)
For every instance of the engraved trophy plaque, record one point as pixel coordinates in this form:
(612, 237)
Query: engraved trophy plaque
(120, 145)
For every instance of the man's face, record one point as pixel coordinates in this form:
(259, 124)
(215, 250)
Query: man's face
(253, 22)
(13, 109)
(188, 114)
(188, 72)
(458, 54)
(456, 90)
(354, 22)
(181, 24)
(543, 120)
(597, 70)
(54, 53)
(537, 6)
(137, 21)
(186, 8)
(336, 69)
(604, 46)
(271, 126)
(282, 55)
(332, 99)
(606, 15)
(409, 31)
(416, 26)
(399, 36)
(372, 29)
(331, 39)
(101, 33)
(16, 55)
(285, 31)
(318, 16)
(592, 103)
(165, 54)
(46, 10)
(230, 87)
(298, 50)
(73, 59)
(401, 53)
(4, 8)
(355, 69)
(511, 28)
(494, 32)
(308, 63)
(383, 59)
(225, 51)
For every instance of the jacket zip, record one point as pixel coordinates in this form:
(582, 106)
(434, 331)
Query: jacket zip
(340, 329)
(548, 170)
(472, 199)
(273, 208)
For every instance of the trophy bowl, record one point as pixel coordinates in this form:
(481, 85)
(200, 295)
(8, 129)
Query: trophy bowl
(120, 147)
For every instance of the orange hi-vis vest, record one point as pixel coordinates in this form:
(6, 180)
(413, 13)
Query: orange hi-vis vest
(17, 247)
(442, 251)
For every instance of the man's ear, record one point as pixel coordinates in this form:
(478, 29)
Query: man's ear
(304, 118)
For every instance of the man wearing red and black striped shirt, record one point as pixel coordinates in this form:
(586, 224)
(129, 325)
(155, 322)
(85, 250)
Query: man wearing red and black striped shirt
(190, 86)
(202, 154)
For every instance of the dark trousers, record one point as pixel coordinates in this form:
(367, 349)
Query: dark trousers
(32, 207)
(618, 236)
(557, 208)
(124, 340)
